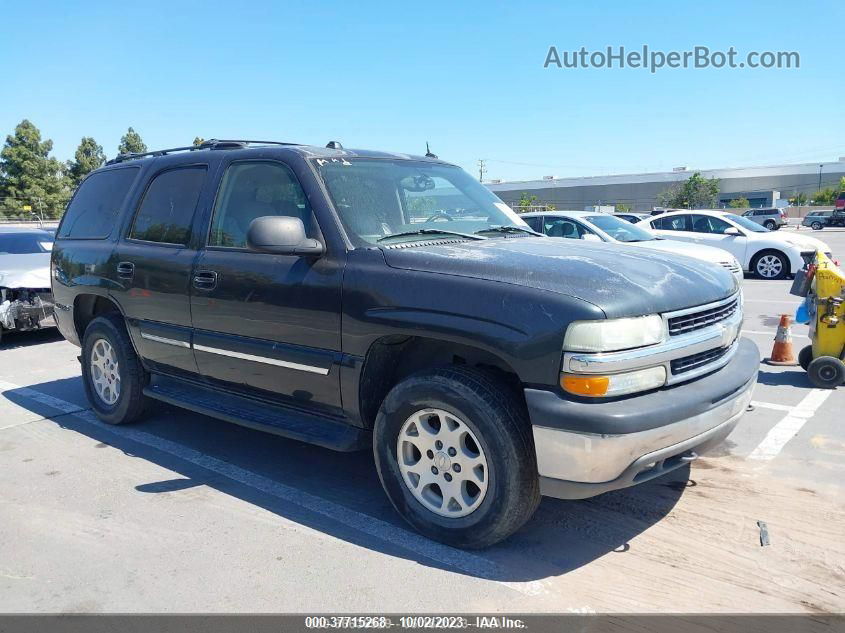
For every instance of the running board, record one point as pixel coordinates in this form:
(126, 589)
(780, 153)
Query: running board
(254, 414)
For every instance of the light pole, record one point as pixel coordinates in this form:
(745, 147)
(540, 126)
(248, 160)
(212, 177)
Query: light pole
(820, 176)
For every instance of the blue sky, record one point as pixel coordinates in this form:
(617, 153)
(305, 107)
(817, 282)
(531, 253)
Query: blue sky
(466, 76)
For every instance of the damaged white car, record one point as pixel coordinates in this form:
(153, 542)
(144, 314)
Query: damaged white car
(26, 302)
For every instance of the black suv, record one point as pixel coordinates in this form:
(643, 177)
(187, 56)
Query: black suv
(359, 299)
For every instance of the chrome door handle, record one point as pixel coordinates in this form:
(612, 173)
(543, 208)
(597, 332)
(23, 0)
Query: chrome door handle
(125, 270)
(205, 280)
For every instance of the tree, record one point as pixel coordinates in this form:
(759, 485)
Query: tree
(198, 140)
(29, 176)
(828, 195)
(799, 199)
(825, 197)
(694, 193)
(739, 203)
(131, 143)
(527, 201)
(88, 157)
(621, 207)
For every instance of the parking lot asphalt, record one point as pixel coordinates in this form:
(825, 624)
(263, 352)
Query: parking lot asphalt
(183, 513)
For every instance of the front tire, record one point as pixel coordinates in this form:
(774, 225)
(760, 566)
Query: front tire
(816, 226)
(455, 455)
(826, 372)
(113, 376)
(770, 265)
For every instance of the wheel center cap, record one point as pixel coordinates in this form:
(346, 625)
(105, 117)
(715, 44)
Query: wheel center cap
(442, 461)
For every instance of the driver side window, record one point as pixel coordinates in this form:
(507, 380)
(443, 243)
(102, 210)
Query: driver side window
(253, 189)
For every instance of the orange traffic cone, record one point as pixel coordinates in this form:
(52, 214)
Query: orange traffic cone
(782, 353)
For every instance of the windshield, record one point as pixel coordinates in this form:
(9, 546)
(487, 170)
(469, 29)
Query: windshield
(25, 243)
(380, 198)
(620, 230)
(747, 224)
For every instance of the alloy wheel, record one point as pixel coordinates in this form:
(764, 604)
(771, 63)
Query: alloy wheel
(769, 266)
(105, 371)
(442, 463)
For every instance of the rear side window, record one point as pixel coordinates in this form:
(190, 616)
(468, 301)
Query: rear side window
(167, 210)
(93, 211)
(672, 223)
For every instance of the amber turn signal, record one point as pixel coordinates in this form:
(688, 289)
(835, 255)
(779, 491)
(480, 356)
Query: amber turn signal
(585, 385)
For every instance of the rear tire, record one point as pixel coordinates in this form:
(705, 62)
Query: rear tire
(770, 224)
(826, 372)
(770, 265)
(113, 376)
(805, 357)
(448, 403)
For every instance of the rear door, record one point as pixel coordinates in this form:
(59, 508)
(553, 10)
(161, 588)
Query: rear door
(267, 325)
(152, 268)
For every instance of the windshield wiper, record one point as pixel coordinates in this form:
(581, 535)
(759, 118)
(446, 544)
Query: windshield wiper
(430, 232)
(508, 229)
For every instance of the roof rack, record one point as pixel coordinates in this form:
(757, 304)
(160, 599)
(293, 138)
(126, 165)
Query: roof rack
(209, 144)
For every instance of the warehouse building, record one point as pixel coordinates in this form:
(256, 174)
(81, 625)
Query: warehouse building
(762, 186)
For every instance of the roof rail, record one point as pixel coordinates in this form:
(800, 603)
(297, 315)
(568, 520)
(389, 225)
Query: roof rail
(209, 144)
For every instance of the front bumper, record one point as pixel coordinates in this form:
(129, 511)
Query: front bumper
(587, 448)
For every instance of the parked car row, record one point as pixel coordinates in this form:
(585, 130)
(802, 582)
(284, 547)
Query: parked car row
(609, 228)
(762, 252)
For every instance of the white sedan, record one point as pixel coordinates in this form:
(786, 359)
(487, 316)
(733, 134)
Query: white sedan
(587, 225)
(767, 254)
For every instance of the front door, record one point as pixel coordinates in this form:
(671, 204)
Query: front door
(152, 269)
(267, 325)
(710, 231)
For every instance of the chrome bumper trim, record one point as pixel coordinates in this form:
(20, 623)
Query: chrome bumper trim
(590, 458)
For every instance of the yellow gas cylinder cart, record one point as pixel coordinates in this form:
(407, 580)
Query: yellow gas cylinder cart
(823, 360)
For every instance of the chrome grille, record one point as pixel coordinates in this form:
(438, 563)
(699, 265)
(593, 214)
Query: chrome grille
(731, 266)
(688, 363)
(701, 319)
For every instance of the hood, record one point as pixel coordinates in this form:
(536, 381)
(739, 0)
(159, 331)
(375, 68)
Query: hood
(699, 251)
(25, 271)
(802, 241)
(621, 280)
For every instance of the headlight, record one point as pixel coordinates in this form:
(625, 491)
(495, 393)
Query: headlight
(609, 335)
(614, 384)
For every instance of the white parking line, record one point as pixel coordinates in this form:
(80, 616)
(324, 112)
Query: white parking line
(788, 427)
(780, 301)
(805, 333)
(442, 554)
(772, 405)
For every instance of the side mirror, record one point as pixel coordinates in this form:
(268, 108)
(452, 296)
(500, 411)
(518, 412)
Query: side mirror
(732, 230)
(281, 235)
(591, 237)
